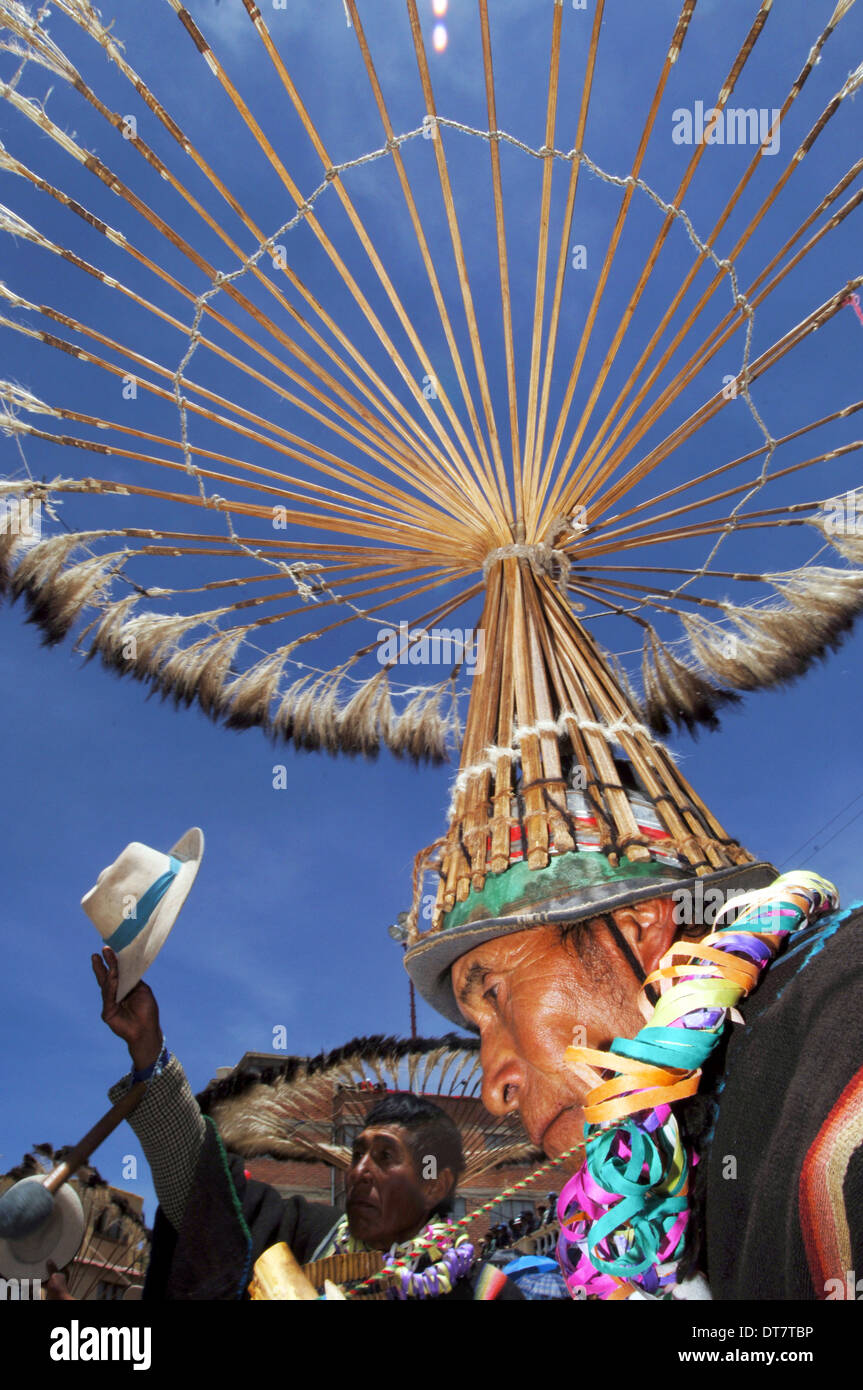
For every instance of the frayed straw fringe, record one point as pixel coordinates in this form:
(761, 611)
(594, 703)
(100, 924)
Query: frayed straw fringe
(199, 671)
(56, 596)
(142, 645)
(315, 716)
(18, 398)
(709, 644)
(835, 597)
(840, 12)
(39, 47)
(11, 541)
(16, 531)
(850, 547)
(420, 732)
(16, 226)
(248, 700)
(87, 18)
(44, 562)
(282, 726)
(104, 639)
(56, 605)
(676, 694)
(310, 717)
(853, 83)
(145, 647)
(368, 718)
(775, 646)
(15, 301)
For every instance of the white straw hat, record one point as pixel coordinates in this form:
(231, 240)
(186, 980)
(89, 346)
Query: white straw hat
(58, 1239)
(135, 901)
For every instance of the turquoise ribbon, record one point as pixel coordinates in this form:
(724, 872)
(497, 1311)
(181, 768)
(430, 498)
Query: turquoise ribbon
(144, 908)
(648, 1217)
(675, 1047)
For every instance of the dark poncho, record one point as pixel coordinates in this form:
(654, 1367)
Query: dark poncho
(783, 1200)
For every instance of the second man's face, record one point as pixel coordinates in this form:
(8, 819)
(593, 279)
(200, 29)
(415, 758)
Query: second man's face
(386, 1201)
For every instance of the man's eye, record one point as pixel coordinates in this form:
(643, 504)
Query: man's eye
(491, 994)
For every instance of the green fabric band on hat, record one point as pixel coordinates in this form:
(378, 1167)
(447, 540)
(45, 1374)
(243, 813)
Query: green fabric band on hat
(519, 887)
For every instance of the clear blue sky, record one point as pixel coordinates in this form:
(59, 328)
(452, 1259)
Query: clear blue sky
(286, 924)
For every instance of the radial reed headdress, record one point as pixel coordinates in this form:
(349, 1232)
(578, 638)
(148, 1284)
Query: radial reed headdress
(277, 300)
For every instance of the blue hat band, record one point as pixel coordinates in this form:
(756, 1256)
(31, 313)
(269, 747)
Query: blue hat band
(146, 905)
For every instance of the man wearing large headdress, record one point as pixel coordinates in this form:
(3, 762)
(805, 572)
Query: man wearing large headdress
(716, 1129)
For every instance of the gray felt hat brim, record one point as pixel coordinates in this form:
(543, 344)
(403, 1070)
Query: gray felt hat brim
(430, 961)
(59, 1239)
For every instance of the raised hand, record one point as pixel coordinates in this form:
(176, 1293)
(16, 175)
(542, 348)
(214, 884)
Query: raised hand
(57, 1290)
(136, 1018)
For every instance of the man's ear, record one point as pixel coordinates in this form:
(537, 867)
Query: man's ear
(650, 929)
(436, 1189)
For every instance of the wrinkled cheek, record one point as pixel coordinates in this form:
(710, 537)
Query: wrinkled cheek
(540, 1043)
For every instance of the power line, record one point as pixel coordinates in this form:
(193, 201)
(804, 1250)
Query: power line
(824, 827)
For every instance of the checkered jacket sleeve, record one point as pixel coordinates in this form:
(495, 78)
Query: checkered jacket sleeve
(170, 1127)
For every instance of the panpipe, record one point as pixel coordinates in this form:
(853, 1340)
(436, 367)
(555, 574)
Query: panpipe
(347, 1269)
(278, 1276)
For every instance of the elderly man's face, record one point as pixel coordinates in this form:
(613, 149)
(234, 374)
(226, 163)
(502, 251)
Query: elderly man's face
(528, 993)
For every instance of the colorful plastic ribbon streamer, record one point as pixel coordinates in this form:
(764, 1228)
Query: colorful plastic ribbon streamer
(623, 1215)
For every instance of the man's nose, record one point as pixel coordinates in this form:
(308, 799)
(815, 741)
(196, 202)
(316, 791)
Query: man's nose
(362, 1168)
(502, 1080)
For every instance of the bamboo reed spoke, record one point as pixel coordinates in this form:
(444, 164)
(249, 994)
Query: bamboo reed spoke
(529, 682)
(542, 247)
(35, 114)
(554, 784)
(713, 344)
(563, 257)
(356, 222)
(753, 371)
(504, 791)
(346, 516)
(503, 267)
(315, 490)
(356, 476)
(635, 297)
(767, 516)
(462, 863)
(314, 224)
(671, 56)
(425, 251)
(813, 58)
(746, 486)
(475, 822)
(84, 15)
(710, 346)
(498, 489)
(359, 419)
(842, 414)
